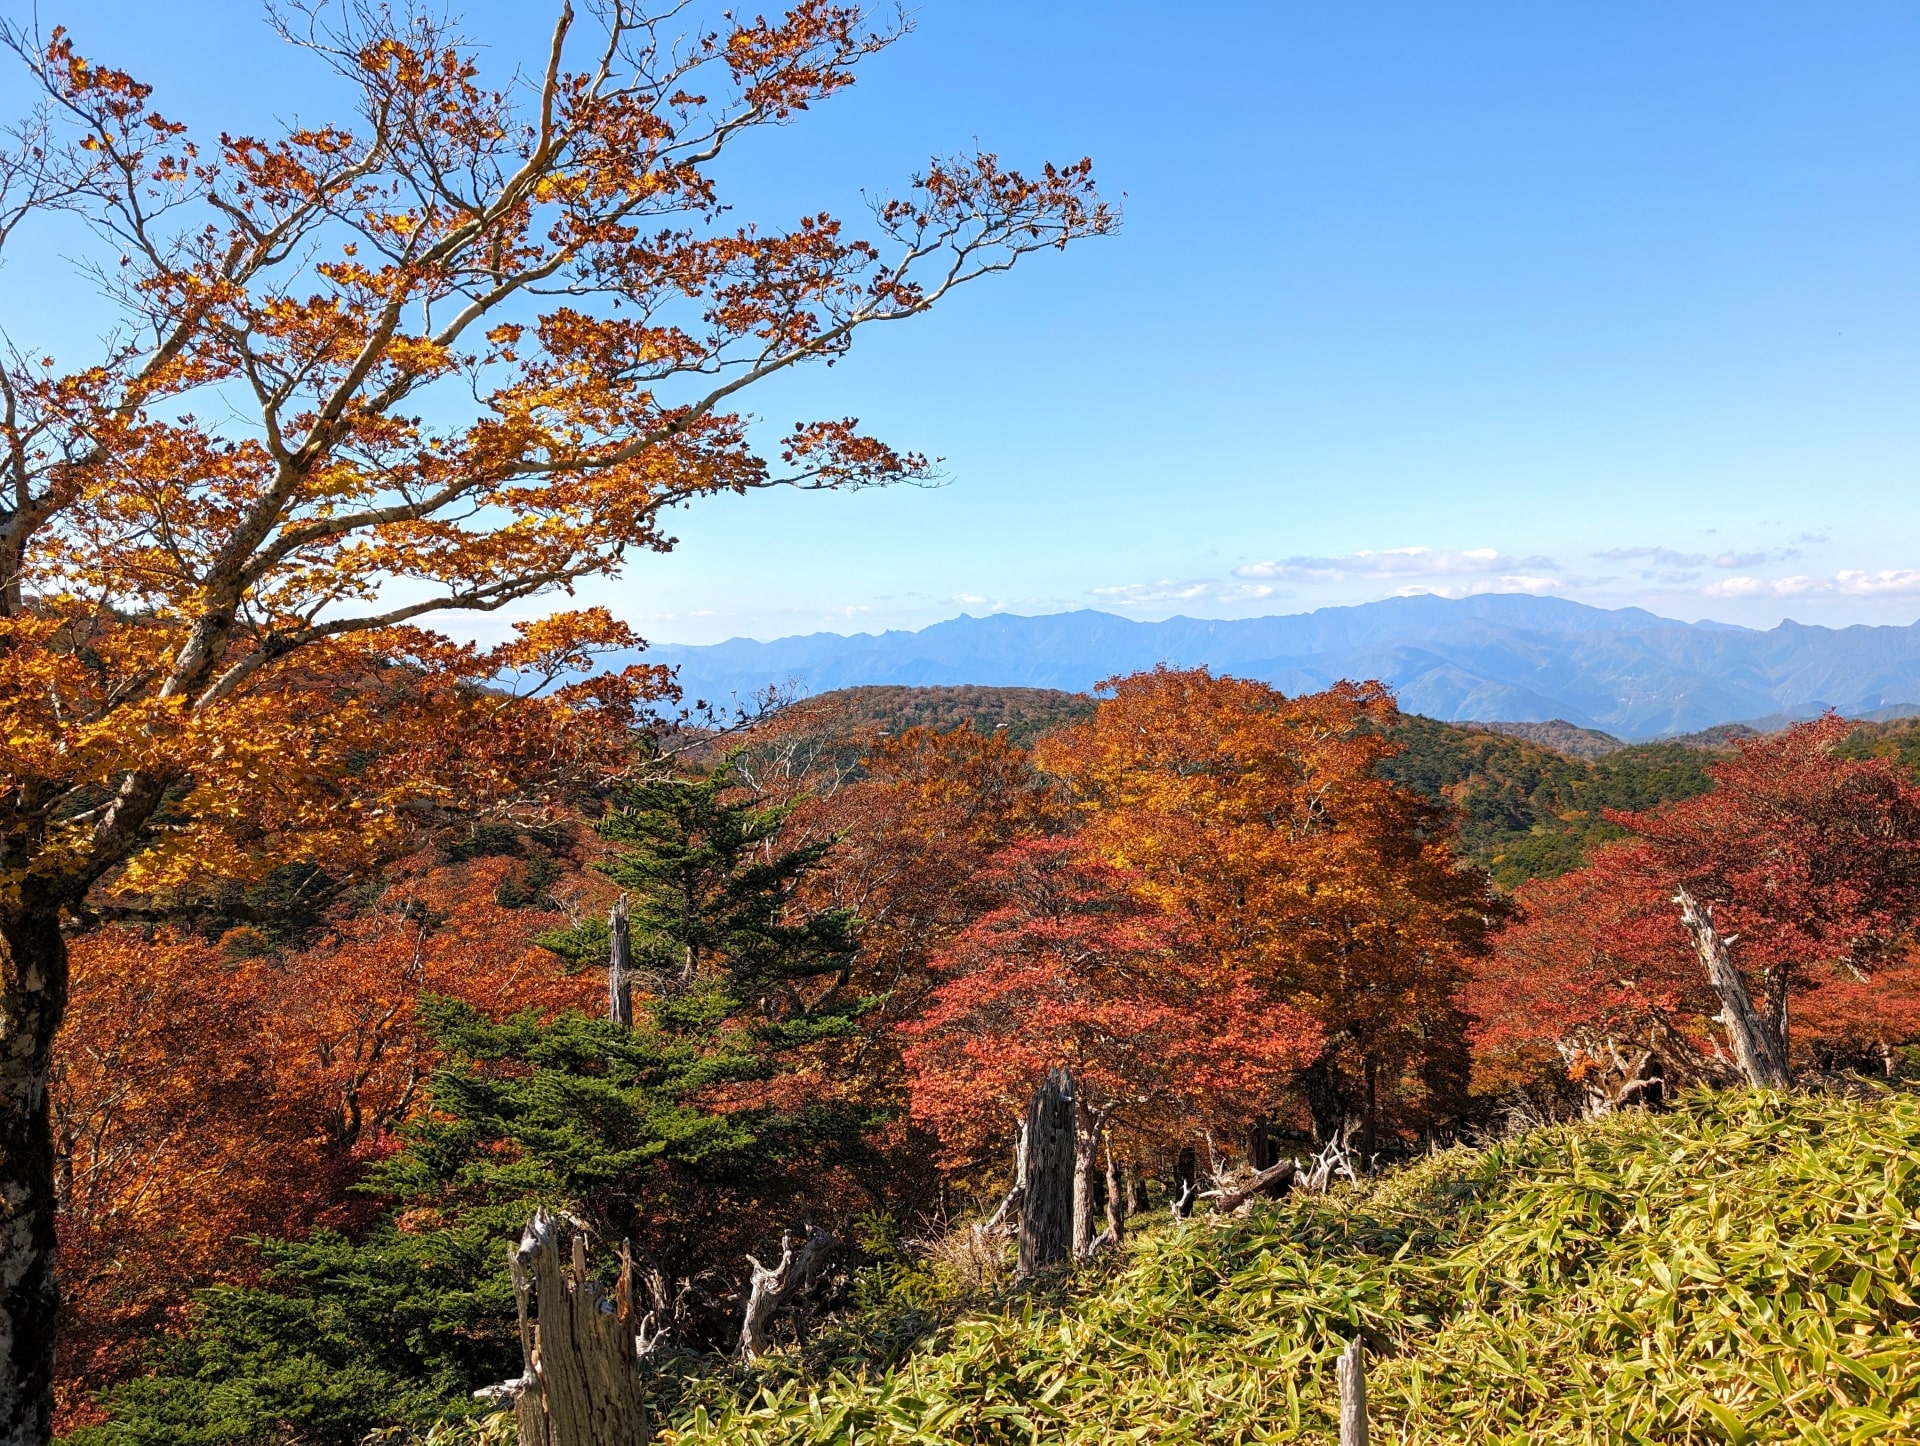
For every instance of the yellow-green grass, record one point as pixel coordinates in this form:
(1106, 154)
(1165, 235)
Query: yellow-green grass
(1741, 1269)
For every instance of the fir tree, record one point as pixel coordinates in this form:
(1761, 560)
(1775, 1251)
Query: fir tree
(695, 1134)
(713, 901)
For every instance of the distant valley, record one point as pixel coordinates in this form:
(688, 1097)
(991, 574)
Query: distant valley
(1498, 657)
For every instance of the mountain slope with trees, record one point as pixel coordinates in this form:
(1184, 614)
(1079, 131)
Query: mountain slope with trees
(769, 991)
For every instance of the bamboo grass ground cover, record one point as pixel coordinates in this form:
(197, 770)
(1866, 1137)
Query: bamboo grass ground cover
(1739, 1270)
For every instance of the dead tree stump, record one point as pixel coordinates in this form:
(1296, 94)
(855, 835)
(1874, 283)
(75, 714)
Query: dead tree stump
(582, 1382)
(1352, 1374)
(1046, 1215)
(773, 1290)
(1757, 1046)
(620, 965)
(1646, 1086)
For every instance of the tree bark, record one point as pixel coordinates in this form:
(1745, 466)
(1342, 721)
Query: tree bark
(33, 996)
(1046, 1216)
(1260, 1153)
(1352, 1374)
(1137, 1181)
(1116, 1199)
(773, 1290)
(619, 966)
(1086, 1150)
(1646, 1086)
(582, 1382)
(1329, 1099)
(1757, 1048)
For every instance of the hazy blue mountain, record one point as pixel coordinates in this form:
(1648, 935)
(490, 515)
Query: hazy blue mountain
(1500, 656)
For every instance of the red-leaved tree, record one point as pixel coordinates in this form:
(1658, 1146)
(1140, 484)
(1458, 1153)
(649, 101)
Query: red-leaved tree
(1810, 862)
(1071, 968)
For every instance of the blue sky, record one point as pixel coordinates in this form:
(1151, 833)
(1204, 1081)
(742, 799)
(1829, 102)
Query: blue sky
(1619, 302)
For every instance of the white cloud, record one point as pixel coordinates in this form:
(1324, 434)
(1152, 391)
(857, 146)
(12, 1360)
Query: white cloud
(1849, 582)
(1391, 562)
(1887, 582)
(1167, 590)
(1513, 582)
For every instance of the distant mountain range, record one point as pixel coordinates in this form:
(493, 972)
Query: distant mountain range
(1506, 657)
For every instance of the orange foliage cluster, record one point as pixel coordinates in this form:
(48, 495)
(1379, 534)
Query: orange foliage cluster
(207, 1091)
(1261, 825)
(1248, 923)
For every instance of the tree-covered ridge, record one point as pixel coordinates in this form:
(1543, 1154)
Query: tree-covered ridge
(1527, 811)
(1527, 808)
(1023, 713)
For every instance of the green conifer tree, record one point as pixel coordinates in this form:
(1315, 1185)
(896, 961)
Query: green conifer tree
(670, 1133)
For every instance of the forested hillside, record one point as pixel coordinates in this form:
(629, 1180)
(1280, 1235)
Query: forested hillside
(1024, 713)
(1525, 808)
(426, 1018)
(851, 943)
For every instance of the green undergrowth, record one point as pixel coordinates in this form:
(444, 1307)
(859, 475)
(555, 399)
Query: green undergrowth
(1740, 1269)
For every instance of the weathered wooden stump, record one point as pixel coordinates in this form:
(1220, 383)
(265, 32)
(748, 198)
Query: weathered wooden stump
(1757, 1046)
(1047, 1211)
(772, 1290)
(1352, 1374)
(582, 1381)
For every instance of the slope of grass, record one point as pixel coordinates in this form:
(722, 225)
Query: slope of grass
(1741, 1269)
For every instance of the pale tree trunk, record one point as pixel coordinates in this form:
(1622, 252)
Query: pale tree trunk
(771, 1291)
(620, 966)
(1351, 1371)
(1089, 1125)
(33, 994)
(1046, 1215)
(582, 1382)
(1116, 1198)
(1757, 1048)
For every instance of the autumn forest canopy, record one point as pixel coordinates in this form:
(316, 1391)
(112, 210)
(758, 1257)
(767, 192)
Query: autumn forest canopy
(298, 1115)
(355, 973)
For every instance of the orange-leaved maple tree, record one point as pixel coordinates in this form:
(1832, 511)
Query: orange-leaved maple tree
(1810, 863)
(1260, 823)
(460, 350)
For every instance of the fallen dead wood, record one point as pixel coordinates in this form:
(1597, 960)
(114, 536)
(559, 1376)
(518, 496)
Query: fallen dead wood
(1274, 1180)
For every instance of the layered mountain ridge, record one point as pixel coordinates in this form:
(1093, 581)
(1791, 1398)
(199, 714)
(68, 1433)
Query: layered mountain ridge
(1506, 657)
